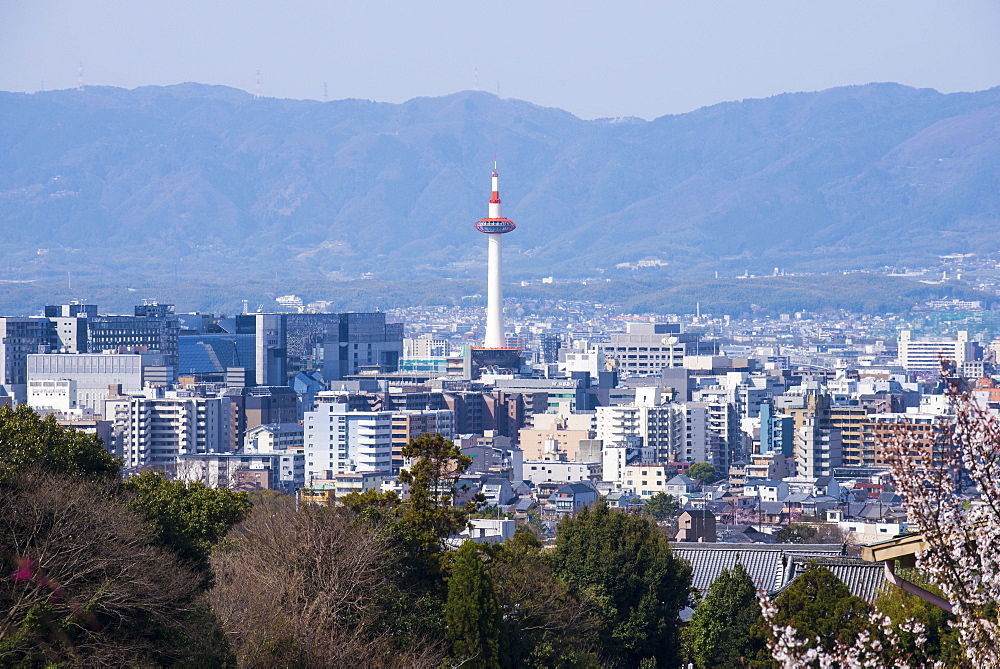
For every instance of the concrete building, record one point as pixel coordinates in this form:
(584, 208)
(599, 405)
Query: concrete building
(93, 374)
(19, 338)
(259, 405)
(262, 347)
(817, 444)
(153, 326)
(284, 471)
(567, 433)
(341, 441)
(676, 432)
(271, 437)
(548, 472)
(696, 525)
(924, 354)
(359, 343)
(408, 425)
(155, 428)
(646, 478)
(646, 348)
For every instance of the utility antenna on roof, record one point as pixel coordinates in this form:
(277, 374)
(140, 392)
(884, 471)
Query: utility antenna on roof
(256, 94)
(79, 79)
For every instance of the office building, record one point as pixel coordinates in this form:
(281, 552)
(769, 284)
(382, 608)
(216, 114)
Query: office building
(924, 354)
(93, 374)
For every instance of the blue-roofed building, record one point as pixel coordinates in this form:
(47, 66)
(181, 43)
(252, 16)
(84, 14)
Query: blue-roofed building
(207, 357)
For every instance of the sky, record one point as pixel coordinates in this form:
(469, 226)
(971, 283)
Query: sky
(594, 59)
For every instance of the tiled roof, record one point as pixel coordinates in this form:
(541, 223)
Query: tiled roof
(764, 562)
(863, 579)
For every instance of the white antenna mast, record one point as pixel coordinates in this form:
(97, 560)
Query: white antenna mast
(79, 79)
(256, 94)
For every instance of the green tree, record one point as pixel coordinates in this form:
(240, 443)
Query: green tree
(429, 516)
(188, 518)
(941, 639)
(720, 626)
(623, 565)
(795, 533)
(471, 613)
(661, 506)
(28, 442)
(702, 472)
(820, 608)
(543, 624)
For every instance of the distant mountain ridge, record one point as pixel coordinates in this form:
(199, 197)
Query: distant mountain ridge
(194, 178)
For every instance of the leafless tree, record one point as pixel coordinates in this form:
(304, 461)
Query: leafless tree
(302, 587)
(83, 583)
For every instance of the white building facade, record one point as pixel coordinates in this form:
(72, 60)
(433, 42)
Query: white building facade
(338, 441)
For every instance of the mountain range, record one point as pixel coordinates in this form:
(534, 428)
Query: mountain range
(207, 188)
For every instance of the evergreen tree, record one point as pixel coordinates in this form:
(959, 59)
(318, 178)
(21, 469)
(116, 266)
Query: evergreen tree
(544, 625)
(820, 608)
(471, 613)
(188, 518)
(720, 626)
(28, 442)
(661, 506)
(623, 565)
(429, 516)
(702, 472)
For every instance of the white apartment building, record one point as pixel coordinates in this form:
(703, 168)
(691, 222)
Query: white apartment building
(561, 472)
(272, 437)
(646, 479)
(155, 430)
(339, 441)
(284, 471)
(676, 432)
(647, 348)
(924, 354)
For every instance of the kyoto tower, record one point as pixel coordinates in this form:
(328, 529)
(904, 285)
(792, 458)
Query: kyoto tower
(494, 225)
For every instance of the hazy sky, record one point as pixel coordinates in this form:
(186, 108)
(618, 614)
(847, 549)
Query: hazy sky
(591, 58)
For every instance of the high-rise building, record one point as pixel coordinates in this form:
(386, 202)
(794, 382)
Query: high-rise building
(153, 326)
(155, 430)
(338, 440)
(20, 337)
(261, 346)
(408, 425)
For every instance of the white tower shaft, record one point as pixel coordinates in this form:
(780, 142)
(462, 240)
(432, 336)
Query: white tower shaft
(494, 295)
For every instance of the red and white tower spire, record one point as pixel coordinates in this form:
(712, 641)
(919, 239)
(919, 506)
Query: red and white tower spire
(495, 225)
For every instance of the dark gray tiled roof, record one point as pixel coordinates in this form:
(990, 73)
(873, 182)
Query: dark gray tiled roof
(863, 579)
(764, 562)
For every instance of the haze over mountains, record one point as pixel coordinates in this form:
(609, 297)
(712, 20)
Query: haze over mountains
(212, 187)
